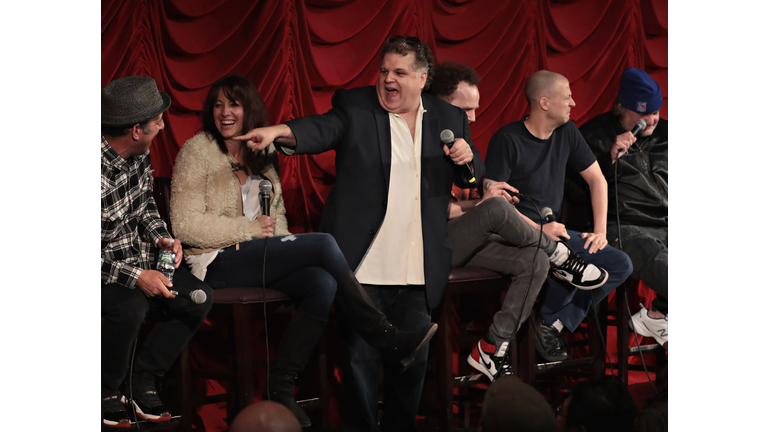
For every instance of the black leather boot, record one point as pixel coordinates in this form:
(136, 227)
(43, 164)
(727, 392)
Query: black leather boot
(296, 346)
(397, 346)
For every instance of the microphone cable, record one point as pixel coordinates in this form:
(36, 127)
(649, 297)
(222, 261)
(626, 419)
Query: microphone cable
(533, 266)
(621, 247)
(264, 305)
(130, 384)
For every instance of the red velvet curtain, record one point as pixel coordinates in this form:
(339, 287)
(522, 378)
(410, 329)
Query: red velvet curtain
(299, 52)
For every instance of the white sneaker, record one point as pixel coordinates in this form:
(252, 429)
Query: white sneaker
(572, 268)
(657, 328)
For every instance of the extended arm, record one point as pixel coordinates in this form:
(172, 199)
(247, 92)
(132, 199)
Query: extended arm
(598, 190)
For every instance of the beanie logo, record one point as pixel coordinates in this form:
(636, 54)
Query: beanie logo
(641, 106)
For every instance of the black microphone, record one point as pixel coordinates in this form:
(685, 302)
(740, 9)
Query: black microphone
(547, 215)
(197, 296)
(640, 126)
(265, 190)
(446, 136)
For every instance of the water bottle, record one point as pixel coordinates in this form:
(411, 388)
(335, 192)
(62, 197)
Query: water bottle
(166, 262)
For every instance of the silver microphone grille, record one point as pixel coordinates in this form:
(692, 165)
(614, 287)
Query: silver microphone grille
(265, 186)
(641, 123)
(198, 296)
(446, 136)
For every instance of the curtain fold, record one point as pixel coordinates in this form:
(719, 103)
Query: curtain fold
(299, 52)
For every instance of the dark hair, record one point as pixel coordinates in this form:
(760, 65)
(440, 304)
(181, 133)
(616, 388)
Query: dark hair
(601, 406)
(447, 77)
(405, 45)
(118, 131)
(236, 88)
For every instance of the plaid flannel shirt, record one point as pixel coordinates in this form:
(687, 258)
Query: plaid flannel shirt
(128, 214)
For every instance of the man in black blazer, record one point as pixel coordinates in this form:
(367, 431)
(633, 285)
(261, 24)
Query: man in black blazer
(388, 210)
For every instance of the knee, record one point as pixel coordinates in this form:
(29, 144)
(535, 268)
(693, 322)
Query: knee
(131, 311)
(497, 207)
(625, 267)
(321, 290)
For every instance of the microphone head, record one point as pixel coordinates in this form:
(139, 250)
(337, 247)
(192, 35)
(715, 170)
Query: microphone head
(265, 186)
(446, 136)
(198, 296)
(641, 125)
(546, 212)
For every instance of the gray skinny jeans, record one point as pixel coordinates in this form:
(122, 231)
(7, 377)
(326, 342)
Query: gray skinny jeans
(494, 236)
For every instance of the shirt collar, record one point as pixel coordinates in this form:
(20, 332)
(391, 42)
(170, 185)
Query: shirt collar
(110, 157)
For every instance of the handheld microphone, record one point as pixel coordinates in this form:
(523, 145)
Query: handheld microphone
(640, 126)
(446, 136)
(265, 190)
(547, 215)
(197, 296)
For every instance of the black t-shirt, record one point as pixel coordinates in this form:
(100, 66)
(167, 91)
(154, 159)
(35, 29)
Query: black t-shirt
(537, 167)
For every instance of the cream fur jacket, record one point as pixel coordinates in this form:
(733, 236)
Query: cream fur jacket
(206, 203)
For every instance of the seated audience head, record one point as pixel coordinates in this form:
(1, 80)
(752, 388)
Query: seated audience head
(512, 405)
(265, 416)
(405, 70)
(597, 406)
(456, 84)
(549, 97)
(639, 98)
(232, 107)
(132, 114)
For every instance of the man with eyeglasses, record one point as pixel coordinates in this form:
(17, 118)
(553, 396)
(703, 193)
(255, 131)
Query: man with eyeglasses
(387, 211)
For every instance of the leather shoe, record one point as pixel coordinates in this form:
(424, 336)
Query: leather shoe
(549, 343)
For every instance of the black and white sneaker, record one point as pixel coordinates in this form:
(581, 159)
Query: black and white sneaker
(572, 268)
(113, 412)
(145, 400)
(493, 362)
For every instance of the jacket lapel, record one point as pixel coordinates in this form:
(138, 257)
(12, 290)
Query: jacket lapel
(385, 140)
(430, 148)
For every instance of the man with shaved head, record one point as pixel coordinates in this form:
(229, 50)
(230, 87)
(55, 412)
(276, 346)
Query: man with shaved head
(489, 233)
(532, 155)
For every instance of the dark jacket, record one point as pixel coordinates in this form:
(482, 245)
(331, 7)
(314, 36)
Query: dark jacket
(642, 171)
(357, 127)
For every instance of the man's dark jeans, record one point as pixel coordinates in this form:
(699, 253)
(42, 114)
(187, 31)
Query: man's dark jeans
(123, 311)
(405, 307)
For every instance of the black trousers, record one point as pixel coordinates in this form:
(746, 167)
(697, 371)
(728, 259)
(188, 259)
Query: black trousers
(123, 311)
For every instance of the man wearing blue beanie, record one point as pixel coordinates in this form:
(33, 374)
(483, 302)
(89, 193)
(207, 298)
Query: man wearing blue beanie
(638, 167)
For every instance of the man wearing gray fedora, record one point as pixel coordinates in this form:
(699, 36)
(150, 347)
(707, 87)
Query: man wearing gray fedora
(132, 232)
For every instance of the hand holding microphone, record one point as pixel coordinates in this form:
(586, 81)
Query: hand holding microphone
(266, 222)
(197, 296)
(553, 229)
(460, 153)
(625, 140)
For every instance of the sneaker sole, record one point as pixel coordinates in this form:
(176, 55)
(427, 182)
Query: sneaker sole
(644, 330)
(406, 362)
(116, 425)
(150, 417)
(583, 288)
(479, 367)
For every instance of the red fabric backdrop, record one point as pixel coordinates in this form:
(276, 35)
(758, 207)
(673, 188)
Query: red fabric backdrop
(299, 52)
